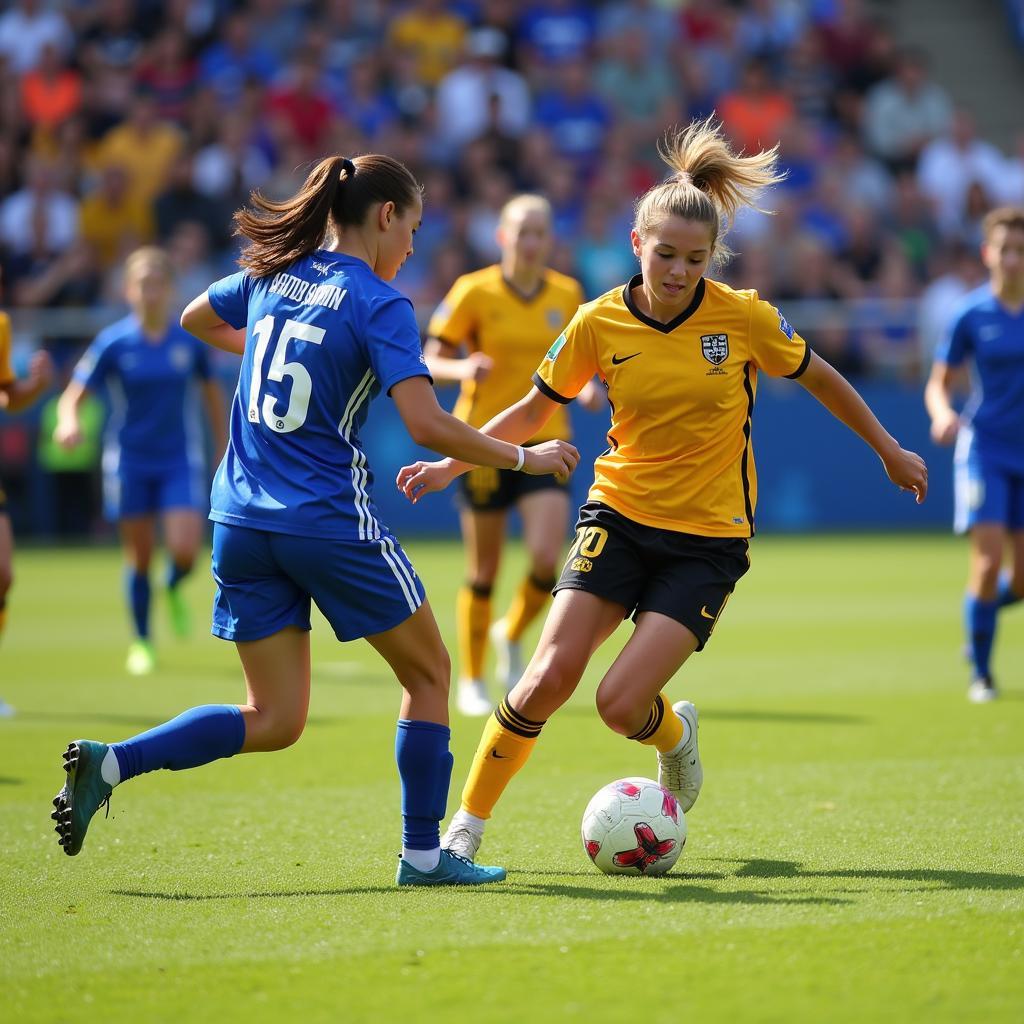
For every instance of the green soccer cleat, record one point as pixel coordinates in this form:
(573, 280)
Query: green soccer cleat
(83, 794)
(451, 870)
(141, 660)
(180, 615)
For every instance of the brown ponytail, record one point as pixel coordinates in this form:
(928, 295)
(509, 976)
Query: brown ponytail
(338, 191)
(710, 182)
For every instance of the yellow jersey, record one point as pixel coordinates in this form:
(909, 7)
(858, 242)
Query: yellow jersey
(682, 395)
(486, 313)
(6, 373)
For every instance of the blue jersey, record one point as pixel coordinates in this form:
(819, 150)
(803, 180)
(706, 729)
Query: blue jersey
(154, 421)
(323, 338)
(988, 334)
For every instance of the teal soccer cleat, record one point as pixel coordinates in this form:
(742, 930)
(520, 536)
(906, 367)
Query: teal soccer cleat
(451, 870)
(83, 794)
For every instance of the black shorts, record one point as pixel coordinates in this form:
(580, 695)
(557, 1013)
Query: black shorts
(647, 569)
(486, 489)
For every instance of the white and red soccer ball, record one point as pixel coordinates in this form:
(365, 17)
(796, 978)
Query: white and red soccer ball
(634, 827)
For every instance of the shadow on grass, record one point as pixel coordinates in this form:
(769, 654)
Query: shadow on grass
(748, 715)
(8, 780)
(945, 877)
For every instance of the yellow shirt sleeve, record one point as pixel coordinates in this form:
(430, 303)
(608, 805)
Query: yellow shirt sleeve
(454, 322)
(774, 346)
(570, 363)
(6, 373)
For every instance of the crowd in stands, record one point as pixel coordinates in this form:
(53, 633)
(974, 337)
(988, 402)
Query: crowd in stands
(129, 121)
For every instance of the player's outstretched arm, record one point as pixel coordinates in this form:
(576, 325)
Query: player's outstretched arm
(200, 319)
(447, 366)
(938, 399)
(68, 431)
(430, 426)
(20, 394)
(905, 469)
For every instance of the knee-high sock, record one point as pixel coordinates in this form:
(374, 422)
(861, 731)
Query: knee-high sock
(1007, 595)
(138, 601)
(508, 740)
(197, 736)
(663, 728)
(425, 768)
(176, 573)
(980, 623)
(473, 616)
(530, 598)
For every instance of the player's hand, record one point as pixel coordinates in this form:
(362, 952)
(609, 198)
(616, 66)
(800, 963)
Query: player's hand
(477, 367)
(422, 478)
(40, 371)
(67, 434)
(908, 472)
(558, 457)
(945, 428)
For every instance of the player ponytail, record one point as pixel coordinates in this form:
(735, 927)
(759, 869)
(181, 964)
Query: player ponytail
(338, 192)
(710, 184)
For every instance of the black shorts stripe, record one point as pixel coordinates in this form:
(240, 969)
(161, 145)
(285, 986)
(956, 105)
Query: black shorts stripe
(547, 391)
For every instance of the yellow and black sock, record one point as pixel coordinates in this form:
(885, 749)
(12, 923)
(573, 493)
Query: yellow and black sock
(506, 744)
(472, 619)
(530, 598)
(663, 728)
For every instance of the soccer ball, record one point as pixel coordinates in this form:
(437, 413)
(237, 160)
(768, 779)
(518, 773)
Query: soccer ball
(634, 827)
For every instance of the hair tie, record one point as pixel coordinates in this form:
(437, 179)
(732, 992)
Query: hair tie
(348, 167)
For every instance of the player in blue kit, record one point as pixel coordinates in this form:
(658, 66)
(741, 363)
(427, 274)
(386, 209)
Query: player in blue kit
(151, 371)
(321, 333)
(988, 333)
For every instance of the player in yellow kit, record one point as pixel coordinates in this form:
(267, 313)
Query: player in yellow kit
(15, 395)
(664, 534)
(490, 332)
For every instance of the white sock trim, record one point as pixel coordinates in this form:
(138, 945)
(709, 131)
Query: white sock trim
(463, 819)
(422, 860)
(110, 770)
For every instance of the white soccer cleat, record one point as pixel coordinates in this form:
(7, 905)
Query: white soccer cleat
(472, 698)
(680, 772)
(508, 656)
(982, 691)
(461, 839)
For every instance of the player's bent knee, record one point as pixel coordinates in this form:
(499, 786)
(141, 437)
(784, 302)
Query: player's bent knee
(620, 713)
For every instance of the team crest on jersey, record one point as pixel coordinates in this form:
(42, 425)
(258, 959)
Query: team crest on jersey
(321, 268)
(180, 357)
(715, 347)
(785, 326)
(553, 317)
(556, 347)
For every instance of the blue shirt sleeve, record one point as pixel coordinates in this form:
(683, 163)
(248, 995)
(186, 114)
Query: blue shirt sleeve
(393, 342)
(230, 298)
(955, 345)
(95, 363)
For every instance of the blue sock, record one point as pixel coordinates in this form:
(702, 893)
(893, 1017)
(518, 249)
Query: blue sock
(425, 767)
(138, 601)
(980, 623)
(197, 736)
(176, 573)
(1006, 594)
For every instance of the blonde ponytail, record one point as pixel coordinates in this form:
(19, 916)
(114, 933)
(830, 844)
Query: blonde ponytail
(710, 184)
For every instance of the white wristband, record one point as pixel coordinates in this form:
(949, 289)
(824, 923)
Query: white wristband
(520, 458)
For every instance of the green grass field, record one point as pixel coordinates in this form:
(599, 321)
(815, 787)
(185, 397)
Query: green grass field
(856, 853)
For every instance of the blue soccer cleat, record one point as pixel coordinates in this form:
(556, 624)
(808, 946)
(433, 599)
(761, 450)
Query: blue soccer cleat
(451, 870)
(83, 794)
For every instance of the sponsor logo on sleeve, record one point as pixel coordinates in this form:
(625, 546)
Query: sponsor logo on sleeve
(786, 327)
(556, 347)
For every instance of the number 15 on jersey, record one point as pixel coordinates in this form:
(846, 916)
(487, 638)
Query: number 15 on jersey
(302, 384)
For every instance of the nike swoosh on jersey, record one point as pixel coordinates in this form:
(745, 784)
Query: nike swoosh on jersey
(623, 359)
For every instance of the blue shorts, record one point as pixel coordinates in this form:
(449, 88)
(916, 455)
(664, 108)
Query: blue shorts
(133, 492)
(265, 581)
(985, 490)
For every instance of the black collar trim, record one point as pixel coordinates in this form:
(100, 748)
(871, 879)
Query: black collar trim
(627, 297)
(523, 296)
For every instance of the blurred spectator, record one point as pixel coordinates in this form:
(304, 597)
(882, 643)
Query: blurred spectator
(660, 27)
(769, 27)
(464, 94)
(350, 31)
(144, 146)
(865, 181)
(38, 221)
(51, 92)
(432, 35)
(26, 29)
(114, 219)
(113, 39)
(232, 166)
(810, 274)
(831, 339)
(886, 318)
(808, 79)
(279, 25)
(957, 271)
(1011, 186)
(576, 118)
(189, 251)
(368, 107)
(905, 112)
(301, 104)
(604, 258)
(181, 202)
(949, 165)
(554, 31)
(235, 57)
(757, 113)
(168, 74)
